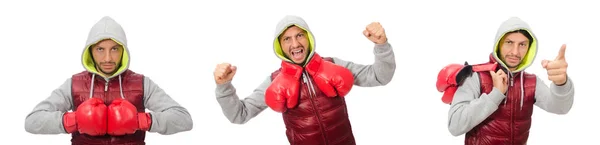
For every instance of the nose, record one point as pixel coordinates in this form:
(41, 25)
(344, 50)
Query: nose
(514, 50)
(295, 43)
(107, 57)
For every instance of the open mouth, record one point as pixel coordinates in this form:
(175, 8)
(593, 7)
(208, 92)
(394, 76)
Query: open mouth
(297, 54)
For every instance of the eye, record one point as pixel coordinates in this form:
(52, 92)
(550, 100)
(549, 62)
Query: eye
(115, 49)
(286, 38)
(99, 48)
(509, 42)
(300, 35)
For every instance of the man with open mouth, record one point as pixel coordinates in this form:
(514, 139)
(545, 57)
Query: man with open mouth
(308, 89)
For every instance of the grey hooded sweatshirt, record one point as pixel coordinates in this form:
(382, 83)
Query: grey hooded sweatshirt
(168, 117)
(470, 107)
(240, 111)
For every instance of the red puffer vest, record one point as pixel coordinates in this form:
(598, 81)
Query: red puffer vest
(133, 91)
(317, 120)
(510, 124)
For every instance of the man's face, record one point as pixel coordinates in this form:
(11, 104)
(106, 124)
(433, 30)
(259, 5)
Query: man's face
(513, 48)
(107, 56)
(294, 43)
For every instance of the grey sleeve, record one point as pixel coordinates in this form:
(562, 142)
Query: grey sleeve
(470, 107)
(377, 74)
(556, 99)
(241, 111)
(168, 117)
(47, 116)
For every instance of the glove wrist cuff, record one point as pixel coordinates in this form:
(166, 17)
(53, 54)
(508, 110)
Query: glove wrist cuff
(314, 64)
(144, 121)
(69, 122)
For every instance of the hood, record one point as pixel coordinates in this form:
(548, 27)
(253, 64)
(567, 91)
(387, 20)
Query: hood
(513, 24)
(286, 22)
(106, 28)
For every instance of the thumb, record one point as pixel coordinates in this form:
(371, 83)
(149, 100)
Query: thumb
(493, 74)
(233, 70)
(545, 63)
(561, 52)
(366, 33)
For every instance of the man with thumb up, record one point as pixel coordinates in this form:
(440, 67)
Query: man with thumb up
(495, 105)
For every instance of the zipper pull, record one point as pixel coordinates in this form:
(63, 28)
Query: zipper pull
(305, 78)
(106, 86)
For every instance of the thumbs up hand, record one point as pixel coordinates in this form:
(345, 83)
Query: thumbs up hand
(557, 68)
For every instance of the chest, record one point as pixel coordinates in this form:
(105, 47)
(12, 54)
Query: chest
(520, 94)
(130, 89)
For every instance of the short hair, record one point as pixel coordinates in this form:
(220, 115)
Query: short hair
(524, 32)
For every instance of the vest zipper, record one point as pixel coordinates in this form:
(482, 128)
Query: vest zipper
(105, 98)
(512, 110)
(106, 86)
(510, 77)
(312, 94)
(106, 101)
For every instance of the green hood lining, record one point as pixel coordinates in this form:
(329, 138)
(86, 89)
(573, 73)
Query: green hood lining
(279, 51)
(90, 65)
(529, 57)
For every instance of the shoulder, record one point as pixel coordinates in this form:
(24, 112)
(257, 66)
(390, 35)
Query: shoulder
(531, 79)
(275, 73)
(129, 72)
(131, 75)
(529, 75)
(330, 59)
(81, 75)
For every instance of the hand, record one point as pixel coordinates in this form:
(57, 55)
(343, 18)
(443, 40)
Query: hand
(500, 80)
(122, 118)
(375, 33)
(90, 118)
(333, 80)
(284, 91)
(557, 68)
(224, 72)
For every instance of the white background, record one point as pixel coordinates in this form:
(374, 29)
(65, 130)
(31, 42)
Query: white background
(178, 44)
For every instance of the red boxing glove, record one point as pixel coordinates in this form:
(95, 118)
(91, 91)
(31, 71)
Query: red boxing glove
(453, 75)
(123, 118)
(447, 77)
(284, 90)
(447, 81)
(89, 118)
(333, 80)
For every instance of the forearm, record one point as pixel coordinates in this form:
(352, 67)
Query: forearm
(241, 111)
(168, 116)
(45, 122)
(379, 73)
(173, 120)
(467, 114)
(556, 99)
(470, 107)
(47, 116)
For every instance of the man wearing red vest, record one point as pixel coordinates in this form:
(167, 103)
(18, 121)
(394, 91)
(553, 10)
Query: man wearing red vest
(106, 103)
(494, 104)
(308, 89)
